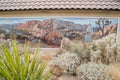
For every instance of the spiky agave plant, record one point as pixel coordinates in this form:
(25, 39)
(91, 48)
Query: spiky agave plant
(15, 67)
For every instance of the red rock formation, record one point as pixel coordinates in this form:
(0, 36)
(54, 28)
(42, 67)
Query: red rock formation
(54, 38)
(37, 27)
(48, 24)
(29, 25)
(49, 30)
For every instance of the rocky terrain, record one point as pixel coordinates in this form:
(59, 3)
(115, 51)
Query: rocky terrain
(49, 32)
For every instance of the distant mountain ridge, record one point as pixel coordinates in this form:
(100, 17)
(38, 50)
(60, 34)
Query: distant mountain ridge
(51, 24)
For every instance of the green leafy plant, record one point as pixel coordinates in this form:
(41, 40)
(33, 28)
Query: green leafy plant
(13, 66)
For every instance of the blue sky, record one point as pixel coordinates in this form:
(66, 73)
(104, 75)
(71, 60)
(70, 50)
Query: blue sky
(17, 20)
(81, 21)
(91, 21)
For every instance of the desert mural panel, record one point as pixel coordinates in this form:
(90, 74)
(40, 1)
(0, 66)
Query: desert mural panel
(48, 32)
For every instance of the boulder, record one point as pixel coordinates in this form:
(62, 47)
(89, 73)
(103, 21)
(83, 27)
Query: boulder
(67, 77)
(56, 71)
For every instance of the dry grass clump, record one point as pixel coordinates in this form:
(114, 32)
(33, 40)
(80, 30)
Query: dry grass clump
(115, 71)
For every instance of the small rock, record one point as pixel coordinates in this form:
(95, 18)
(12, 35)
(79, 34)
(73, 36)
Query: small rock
(56, 71)
(67, 77)
(54, 77)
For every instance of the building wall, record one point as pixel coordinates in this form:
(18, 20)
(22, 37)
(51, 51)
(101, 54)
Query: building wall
(64, 13)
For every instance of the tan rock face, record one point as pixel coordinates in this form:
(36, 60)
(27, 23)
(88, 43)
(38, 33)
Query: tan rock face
(66, 44)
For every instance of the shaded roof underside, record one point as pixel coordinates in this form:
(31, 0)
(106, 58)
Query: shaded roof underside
(59, 4)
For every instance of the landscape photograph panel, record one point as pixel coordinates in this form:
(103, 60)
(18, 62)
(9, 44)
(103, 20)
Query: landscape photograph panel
(48, 32)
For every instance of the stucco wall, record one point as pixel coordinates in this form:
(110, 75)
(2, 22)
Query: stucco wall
(61, 13)
(64, 13)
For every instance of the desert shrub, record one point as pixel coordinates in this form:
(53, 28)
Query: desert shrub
(104, 50)
(118, 52)
(68, 62)
(93, 71)
(13, 66)
(115, 71)
(66, 44)
(5, 42)
(80, 49)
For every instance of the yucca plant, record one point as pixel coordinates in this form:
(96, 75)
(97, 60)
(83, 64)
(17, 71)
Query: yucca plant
(13, 66)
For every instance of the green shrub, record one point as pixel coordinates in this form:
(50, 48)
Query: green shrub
(15, 67)
(80, 49)
(104, 50)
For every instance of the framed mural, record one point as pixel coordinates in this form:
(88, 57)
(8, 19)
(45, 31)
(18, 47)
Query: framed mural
(48, 32)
